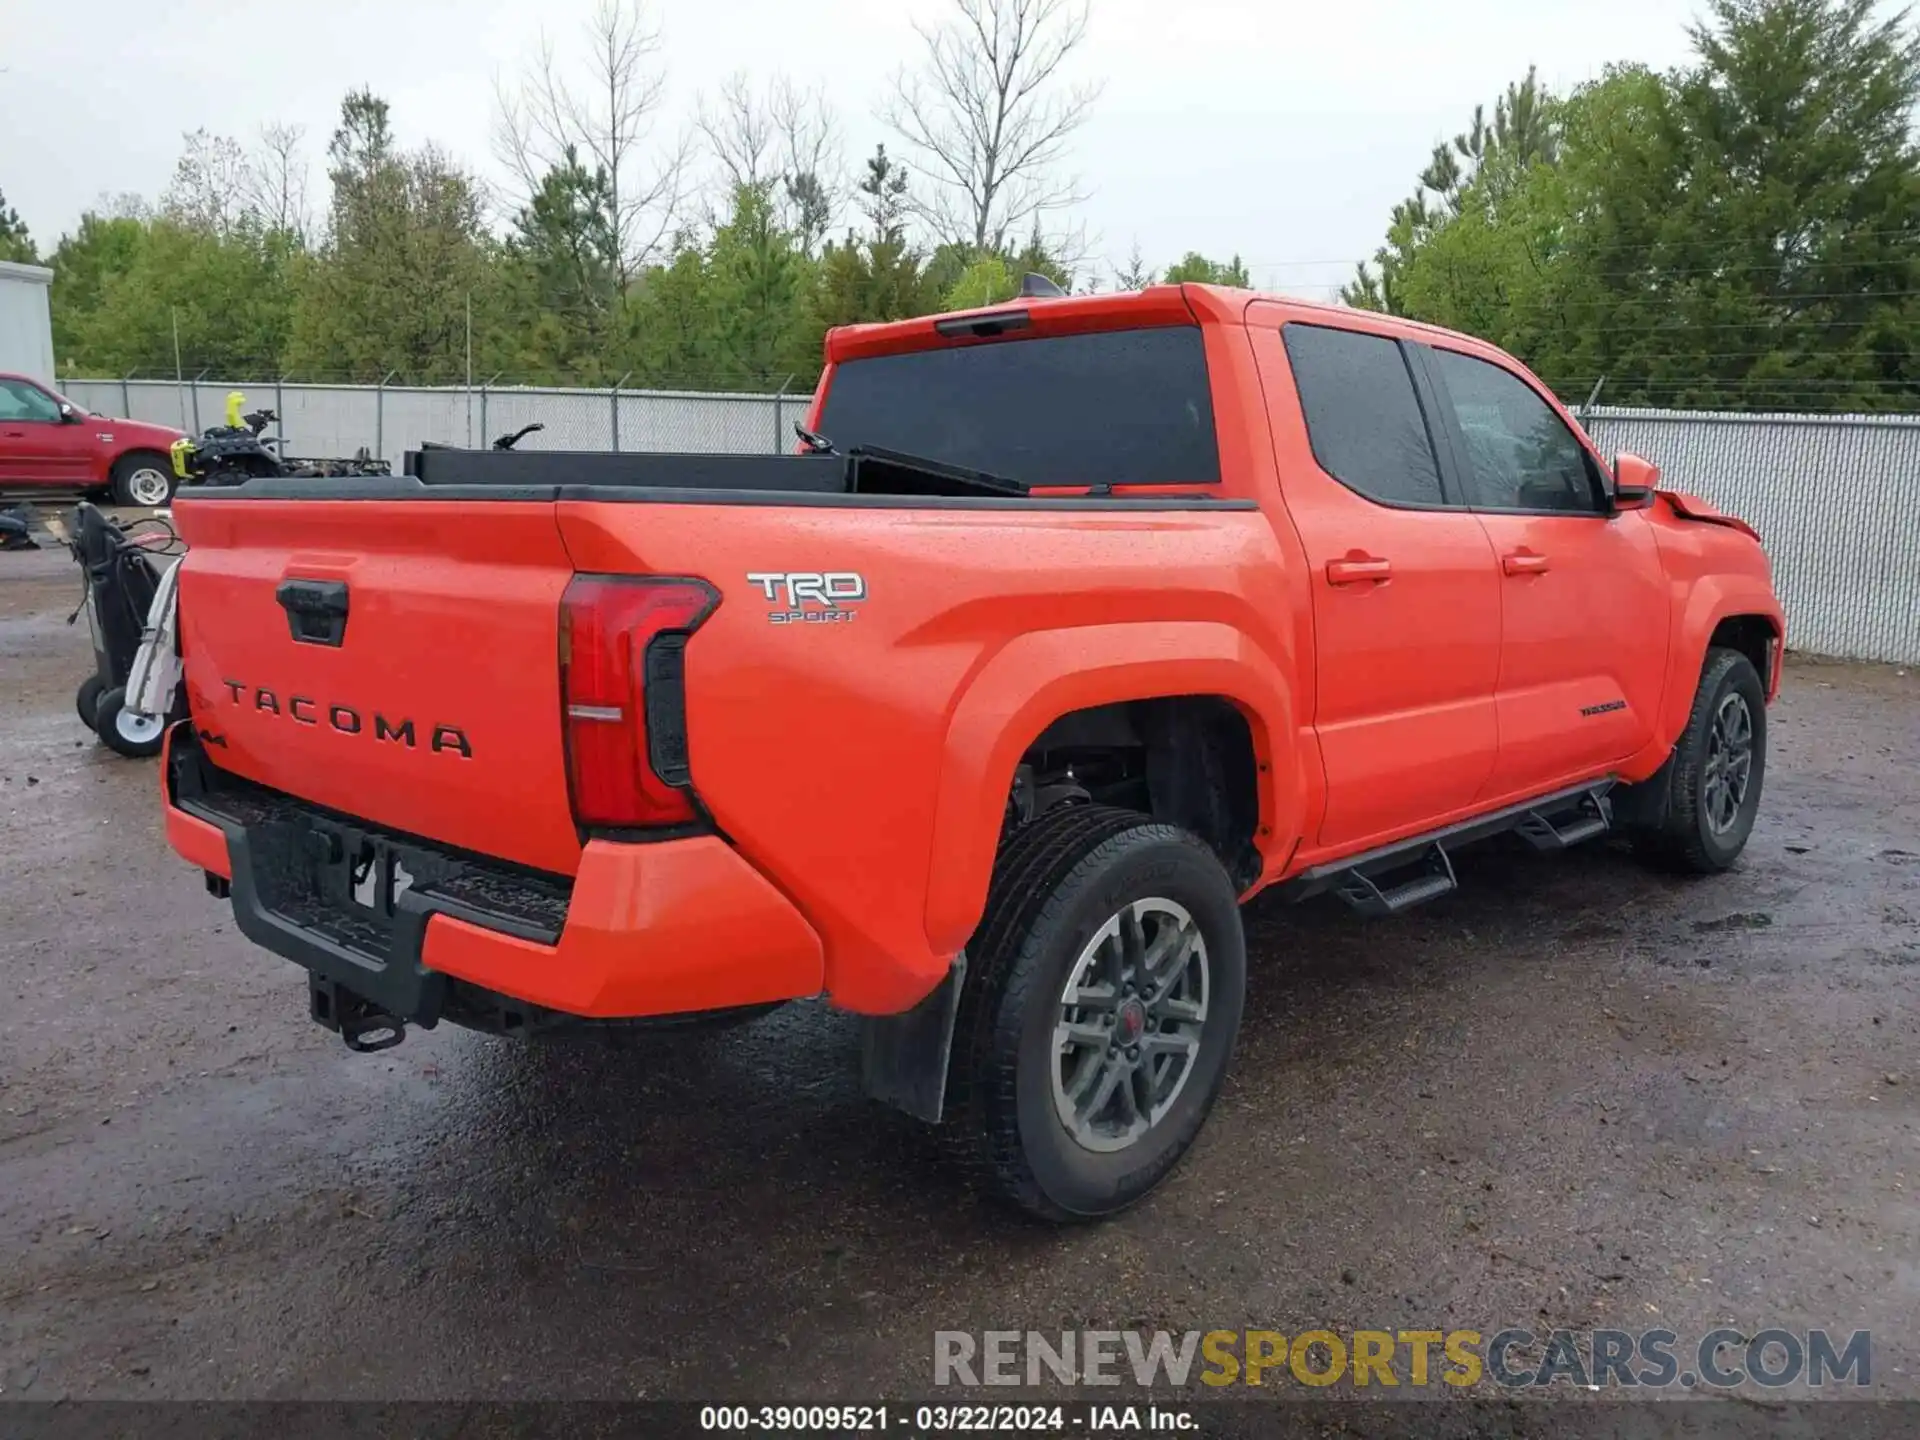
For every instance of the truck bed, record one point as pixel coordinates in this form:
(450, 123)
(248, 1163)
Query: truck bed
(863, 471)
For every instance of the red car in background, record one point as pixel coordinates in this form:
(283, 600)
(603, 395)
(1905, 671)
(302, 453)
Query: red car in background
(48, 442)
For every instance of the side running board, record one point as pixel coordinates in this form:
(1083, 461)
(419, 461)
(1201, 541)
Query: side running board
(1409, 872)
(1433, 879)
(1593, 816)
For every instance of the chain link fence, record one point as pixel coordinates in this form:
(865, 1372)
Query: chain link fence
(334, 420)
(1836, 499)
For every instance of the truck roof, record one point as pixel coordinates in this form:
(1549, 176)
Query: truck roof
(1183, 304)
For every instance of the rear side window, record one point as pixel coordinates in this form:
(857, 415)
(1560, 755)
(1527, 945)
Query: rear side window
(1363, 417)
(1124, 407)
(1520, 454)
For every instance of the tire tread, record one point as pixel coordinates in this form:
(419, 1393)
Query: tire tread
(1038, 874)
(1674, 842)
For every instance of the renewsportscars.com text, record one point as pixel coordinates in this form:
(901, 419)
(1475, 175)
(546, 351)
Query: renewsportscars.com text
(1513, 1358)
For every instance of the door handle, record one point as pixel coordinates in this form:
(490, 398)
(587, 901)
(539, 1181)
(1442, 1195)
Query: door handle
(1356, 567)
(1523, 562)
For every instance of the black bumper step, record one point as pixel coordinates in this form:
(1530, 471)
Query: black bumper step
(350, 901)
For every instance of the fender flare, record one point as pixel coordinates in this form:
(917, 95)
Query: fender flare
(1017, 692)
(1708, 601)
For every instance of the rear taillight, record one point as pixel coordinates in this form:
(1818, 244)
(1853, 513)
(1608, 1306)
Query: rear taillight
(622, 641)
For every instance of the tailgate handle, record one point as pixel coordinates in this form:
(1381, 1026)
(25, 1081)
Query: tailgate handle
(316, 610)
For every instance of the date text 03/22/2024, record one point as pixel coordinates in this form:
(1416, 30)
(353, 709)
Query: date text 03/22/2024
(946, 1419)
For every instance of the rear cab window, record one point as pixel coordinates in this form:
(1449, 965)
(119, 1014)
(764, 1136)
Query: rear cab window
(1116, 407)
(1363, 415)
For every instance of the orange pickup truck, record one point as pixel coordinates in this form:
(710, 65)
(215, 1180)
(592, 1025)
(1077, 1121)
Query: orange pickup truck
(1071, 624)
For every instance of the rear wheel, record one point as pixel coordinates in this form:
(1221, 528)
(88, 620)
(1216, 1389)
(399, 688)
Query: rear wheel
(1102, 999)
(1713, 780)
(127, 731)
(144, 479)
(87, 698)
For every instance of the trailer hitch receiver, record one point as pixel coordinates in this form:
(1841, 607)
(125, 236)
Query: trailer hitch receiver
(364, 1026)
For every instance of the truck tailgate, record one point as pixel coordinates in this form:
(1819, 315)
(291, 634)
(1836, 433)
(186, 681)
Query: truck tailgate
(394, 660)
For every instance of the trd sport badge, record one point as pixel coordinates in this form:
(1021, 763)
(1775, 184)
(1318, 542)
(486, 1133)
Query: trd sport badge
(810, 597)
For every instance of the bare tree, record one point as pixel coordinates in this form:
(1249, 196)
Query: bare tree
(208, 190)
(276, 182)
(739, 135)
(121, 205)
(811, 146)
(608, 121)
(785, 143)
(989, 116)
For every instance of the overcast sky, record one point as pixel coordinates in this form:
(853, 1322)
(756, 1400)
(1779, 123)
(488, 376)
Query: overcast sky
(1281, 131)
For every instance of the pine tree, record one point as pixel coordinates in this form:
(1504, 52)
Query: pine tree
(15, 243)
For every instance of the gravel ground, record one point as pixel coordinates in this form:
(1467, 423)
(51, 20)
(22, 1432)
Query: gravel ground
(1572, 1094)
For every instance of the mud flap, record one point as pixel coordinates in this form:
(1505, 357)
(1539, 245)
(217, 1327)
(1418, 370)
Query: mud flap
(903, 1058)
(1644, 806)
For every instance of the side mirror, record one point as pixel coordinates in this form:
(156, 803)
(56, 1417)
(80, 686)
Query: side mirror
(68, 415)
(1634, 482)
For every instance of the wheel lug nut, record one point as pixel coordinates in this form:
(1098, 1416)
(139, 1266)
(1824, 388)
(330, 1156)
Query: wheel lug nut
(1133, 1052)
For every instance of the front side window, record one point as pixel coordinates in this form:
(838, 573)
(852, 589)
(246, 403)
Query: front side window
(21, 401)
(1520, 454)
(1363, 417)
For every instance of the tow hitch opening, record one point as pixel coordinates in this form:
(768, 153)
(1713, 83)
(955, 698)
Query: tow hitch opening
(364, 1026)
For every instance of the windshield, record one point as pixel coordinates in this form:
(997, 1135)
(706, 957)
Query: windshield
(1123, 407)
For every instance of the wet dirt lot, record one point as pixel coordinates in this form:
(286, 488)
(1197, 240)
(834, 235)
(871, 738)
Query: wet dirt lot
(1571, 1094)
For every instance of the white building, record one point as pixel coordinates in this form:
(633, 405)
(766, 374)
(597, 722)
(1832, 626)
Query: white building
(26, 322)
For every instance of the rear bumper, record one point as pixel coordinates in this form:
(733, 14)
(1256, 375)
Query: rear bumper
(640, 930)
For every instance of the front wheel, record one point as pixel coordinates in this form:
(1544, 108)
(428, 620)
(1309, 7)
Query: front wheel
(127, 732)
(1099, 1011)
(1712, 786)
(143, 479)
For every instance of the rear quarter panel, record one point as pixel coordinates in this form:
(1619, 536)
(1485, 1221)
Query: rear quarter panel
(864, 764)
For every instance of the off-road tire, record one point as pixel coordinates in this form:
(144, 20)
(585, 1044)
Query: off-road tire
(1057, 881)
(1678, 836)
(125, 733)
(86, 700)
(126, 474)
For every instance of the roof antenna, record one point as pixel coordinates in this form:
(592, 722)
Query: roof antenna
(1034, 286)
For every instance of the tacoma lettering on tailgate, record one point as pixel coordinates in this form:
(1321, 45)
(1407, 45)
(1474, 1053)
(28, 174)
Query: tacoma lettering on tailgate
(305, 710)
